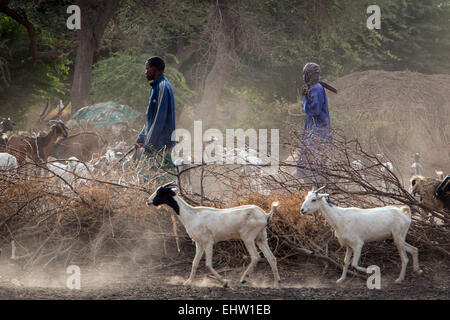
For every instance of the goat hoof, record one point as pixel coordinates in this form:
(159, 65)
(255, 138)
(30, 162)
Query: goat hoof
(419, 272)
(187, 282)
(398, 280)
(225, 284)
(243, 281)
(340, 280)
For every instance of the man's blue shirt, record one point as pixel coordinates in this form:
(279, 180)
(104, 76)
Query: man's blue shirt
(160, 116)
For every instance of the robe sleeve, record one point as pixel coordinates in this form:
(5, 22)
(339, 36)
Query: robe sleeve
(317, 100)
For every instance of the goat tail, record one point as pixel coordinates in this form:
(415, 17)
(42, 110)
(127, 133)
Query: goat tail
(406, 210)
(274, 207)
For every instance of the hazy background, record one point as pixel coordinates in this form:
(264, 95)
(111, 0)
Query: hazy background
(237, 63)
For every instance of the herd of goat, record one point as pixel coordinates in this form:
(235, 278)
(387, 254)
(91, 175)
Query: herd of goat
(206, 225)
(83, 154)
(353, 227)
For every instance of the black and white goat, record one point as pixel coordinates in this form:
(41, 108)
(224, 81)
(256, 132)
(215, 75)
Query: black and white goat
(206, 226)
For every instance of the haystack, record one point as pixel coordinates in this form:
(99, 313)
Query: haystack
(396, 113)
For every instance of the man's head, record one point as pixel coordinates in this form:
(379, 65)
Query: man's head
(154, 68)
(311, 73)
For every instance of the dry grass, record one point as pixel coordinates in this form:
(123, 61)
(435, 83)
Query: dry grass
(50, 223)
(104, 220)
(294, 234)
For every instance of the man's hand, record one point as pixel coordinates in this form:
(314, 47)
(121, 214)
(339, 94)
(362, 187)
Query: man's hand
(138, 145)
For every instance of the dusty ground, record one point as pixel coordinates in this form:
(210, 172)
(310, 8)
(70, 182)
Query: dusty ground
(299, 281)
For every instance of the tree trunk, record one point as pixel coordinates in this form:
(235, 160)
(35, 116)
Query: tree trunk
(89, 37)
(222, 67)
(81, 85)
(184, 53)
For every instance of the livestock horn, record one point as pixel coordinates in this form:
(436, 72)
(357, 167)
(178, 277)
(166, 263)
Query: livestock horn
(316, 191)
(171, 183)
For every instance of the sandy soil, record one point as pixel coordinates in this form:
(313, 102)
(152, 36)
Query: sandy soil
(299, 281)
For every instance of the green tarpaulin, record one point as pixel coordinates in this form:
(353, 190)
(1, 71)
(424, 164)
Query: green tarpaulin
(106, 114)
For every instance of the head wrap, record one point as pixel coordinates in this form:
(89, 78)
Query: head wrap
(311, 76)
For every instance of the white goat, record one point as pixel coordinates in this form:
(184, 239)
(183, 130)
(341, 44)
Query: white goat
(416, 168)
(354, 226)
(7, 161)
(358, 165)
(384, 170)
(207, 226)
(78, 168)
(61, 170)
(109, 161)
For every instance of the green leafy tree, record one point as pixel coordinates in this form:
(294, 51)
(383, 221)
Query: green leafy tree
(423, 29)
(22, 81)
(121, 78)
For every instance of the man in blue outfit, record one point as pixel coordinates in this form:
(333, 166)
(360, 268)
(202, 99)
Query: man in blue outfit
(155, 137)
(317, 136)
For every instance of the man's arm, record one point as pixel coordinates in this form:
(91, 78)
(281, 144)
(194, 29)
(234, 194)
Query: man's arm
(141, 136)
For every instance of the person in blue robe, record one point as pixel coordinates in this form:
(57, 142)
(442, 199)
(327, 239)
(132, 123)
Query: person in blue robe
(317, 135)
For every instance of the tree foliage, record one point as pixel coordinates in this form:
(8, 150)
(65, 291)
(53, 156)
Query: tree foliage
(23, 82)
(270, 42)
(121, 77)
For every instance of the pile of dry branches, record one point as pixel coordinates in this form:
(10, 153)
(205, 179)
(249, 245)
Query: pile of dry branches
(107, 218)
(45, 219)
(372, 184)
